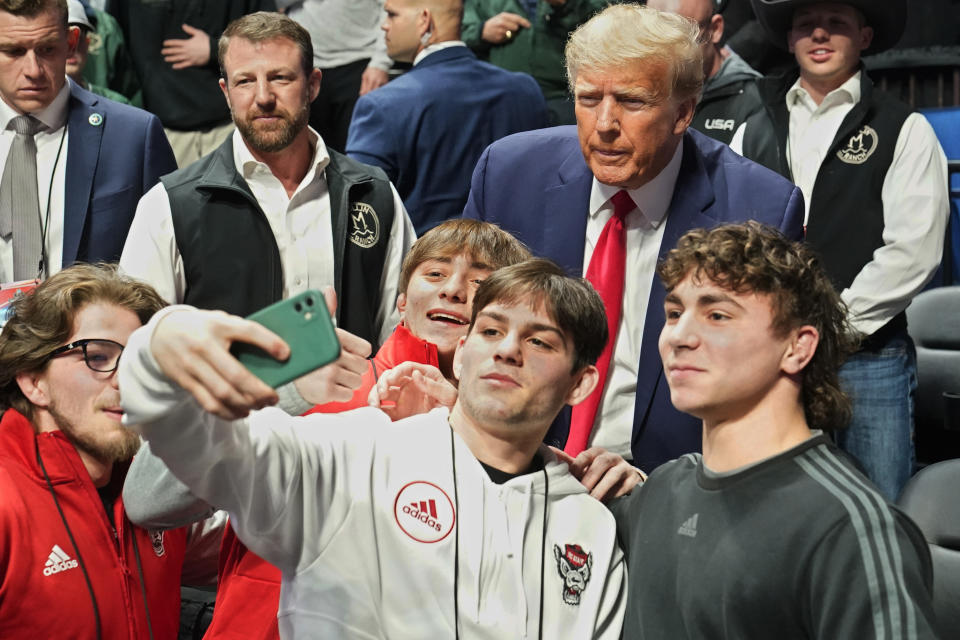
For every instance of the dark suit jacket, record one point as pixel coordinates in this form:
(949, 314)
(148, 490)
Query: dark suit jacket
(536, 185)
(115, 153)
(427, 128)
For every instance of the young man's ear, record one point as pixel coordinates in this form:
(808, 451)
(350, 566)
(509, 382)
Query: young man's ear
(33, 388)
(401, 304)
(803, 345)
(586, 381)
(457, 363)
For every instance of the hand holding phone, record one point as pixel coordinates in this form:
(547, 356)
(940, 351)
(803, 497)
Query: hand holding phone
(305, 325)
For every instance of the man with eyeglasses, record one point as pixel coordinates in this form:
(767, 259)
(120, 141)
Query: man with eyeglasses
(71, 564)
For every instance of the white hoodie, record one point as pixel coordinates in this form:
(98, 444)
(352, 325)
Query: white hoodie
(359, 514)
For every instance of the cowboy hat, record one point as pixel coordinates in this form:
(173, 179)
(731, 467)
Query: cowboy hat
(886, 17)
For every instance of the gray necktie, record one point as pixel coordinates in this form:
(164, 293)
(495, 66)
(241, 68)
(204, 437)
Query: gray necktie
(19, 204)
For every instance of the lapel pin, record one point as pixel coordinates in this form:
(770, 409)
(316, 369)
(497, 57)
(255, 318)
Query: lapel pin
(95, 119)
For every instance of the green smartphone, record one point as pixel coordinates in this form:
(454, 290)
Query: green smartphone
(304, 323)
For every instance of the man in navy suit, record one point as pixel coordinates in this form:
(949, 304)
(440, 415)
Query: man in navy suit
(636, 74)
(427, 128)
(94, 157)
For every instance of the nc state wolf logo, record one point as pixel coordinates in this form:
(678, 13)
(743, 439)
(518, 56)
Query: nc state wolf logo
(574, 565)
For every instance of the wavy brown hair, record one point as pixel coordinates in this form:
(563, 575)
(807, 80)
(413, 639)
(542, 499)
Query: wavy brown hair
(41, 321)
(752, 257)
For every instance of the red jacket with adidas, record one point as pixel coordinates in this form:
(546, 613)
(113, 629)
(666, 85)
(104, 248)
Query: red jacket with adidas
(43, 591)
(248, 590)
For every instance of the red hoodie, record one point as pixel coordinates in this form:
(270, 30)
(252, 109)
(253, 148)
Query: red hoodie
(43, 591)
(248, 591)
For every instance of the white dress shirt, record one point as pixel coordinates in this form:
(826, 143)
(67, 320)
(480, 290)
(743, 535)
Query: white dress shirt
(51, 177)
(613, 427)
(915, 201)
(300, 223)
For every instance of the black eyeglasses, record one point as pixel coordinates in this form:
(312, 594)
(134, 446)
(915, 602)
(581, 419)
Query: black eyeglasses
(100, 355)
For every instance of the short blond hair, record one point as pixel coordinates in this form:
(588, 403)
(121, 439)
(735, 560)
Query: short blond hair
(625, 33)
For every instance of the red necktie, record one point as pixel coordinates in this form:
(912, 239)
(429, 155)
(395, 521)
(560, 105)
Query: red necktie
(606, 274)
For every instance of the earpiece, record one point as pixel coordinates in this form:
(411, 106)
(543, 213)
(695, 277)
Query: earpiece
(425, 38)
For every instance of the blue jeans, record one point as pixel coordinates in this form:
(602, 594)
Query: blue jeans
(881, 385)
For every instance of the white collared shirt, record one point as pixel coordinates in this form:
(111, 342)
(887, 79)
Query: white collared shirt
(51, 177)
(301, 225)
(915, 200)
(613, 427)
(439, 46)
(812, 130)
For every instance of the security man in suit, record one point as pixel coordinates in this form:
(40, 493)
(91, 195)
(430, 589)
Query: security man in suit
(74, 164)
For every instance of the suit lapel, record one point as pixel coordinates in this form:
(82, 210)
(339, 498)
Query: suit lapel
(565, 208)
(83, 151)
(690, 208)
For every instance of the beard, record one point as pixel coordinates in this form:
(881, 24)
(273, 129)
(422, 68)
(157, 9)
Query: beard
(276, 136)
(118, 445)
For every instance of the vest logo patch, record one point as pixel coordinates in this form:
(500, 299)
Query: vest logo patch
(424, 512)
(719, 123)
(860, 146)
(574, 565)
(156, 539)
(364, 225)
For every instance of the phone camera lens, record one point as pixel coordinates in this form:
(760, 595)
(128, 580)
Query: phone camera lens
(309, 302)
(298, 307)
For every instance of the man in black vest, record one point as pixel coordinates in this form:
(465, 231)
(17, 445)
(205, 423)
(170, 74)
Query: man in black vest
(273, 212)
(874, 180)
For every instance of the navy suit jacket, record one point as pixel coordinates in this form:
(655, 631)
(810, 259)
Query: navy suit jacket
(427, 128)
(537, 185)
(115, 154)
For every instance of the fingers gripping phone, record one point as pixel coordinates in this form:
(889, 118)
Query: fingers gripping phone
(305, 325)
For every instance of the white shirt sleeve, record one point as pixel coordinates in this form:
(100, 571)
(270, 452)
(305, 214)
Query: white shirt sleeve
(915, 212)
(402, 237)
(150, 252)
(287, 482)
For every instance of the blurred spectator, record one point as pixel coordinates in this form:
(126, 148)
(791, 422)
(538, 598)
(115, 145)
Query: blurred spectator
(87, 159)
(349, 50)
(729, 88)
(77, 59)
(529, 36)
(173, 44)
(451, 107)
(108, 61)
(874, 180)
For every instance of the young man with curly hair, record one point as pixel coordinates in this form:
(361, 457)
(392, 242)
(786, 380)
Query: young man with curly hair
(771, 532)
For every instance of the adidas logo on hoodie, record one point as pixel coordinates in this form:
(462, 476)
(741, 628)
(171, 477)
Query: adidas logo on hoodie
(58, 561)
